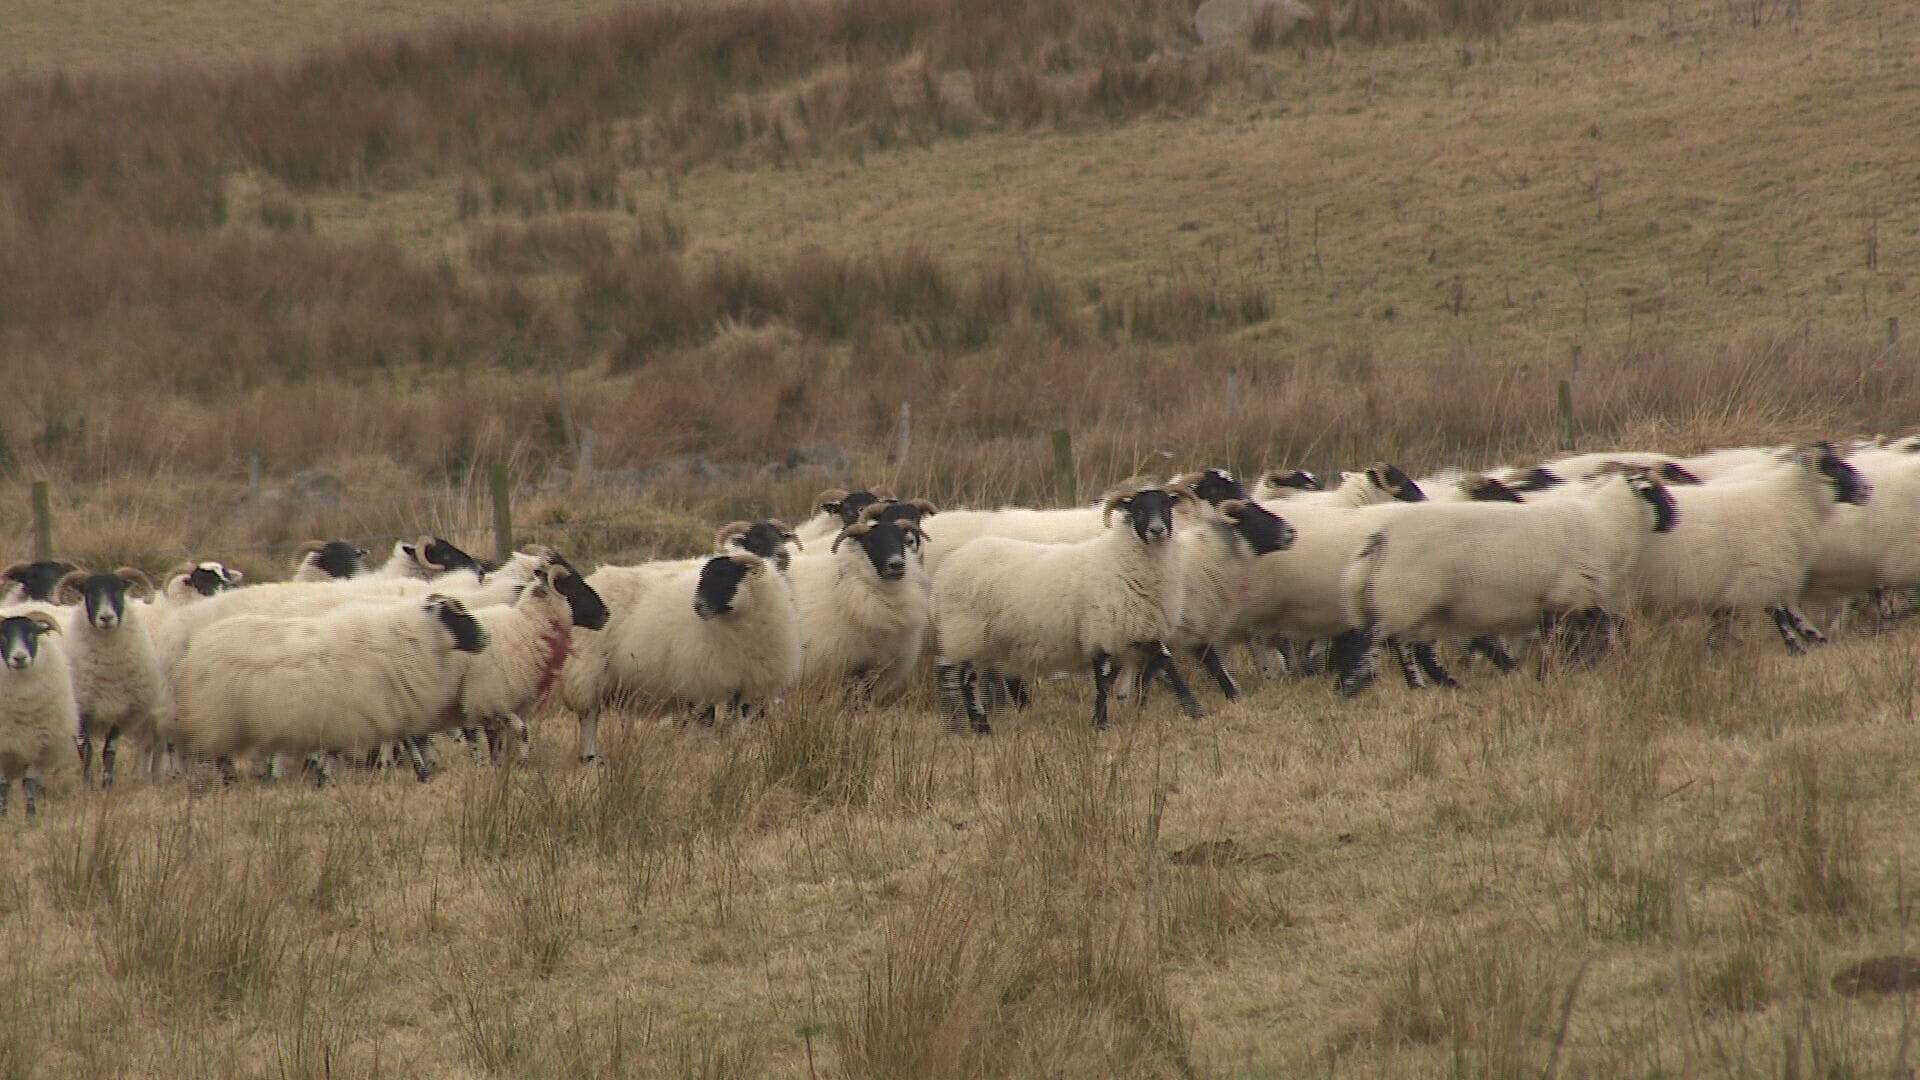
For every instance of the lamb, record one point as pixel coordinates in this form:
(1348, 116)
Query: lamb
(696, 633)
(355, 677)
(863, 604)
(330, 560)
(1748, 542)
(38, 720)
(528, 645)
(33, 582)
(1020, 607)
(118, 686)
(1463, 569)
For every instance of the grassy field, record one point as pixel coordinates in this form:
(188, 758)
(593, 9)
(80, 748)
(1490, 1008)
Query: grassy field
(395, 260)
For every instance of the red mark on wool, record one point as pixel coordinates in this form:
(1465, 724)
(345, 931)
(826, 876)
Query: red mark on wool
(559, 642)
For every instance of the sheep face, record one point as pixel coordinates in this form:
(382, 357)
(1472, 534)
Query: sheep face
(1215, 486)
(1393, 480)
(1149, 512)
(1848, 485)
(1675, 473)
(1261, 529)
(468, 636)
(1490, 489)
(898, 510)
(1665, 513)
(1538, 478)
(720, 582)
(589, 611)
(37, 579)
(436, 554)
(208, 578)
(767, 539)
(20, 638)
(335, 558)
(846, 504)
(1294, 479)
(104, 594)
(886, 544)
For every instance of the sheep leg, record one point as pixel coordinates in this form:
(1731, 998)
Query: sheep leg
(1495, 650)
(1017, 692)
(318, 768)
(1807, 632)
(1104, 671)
(228, 776)
(1209, 658)
(32, 788)
(417, 753)
(107, 754)
(1428, 658)
(970, 700)
(1161, 660)
(83, 743)
(1351, 657)
(1783, 620)
(946, 684)
(6, 790)
(588, 745)
(1409, 669)
(1316, 656)
(522, 738)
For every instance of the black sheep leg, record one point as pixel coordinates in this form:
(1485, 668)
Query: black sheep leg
(1160, 660)
(1104, 670)
(107, 754)
(1720, 627)
(1017, 692)
(1351, 657)
(1209, 658)
(83, 743)
(417, 754)
(1409, 669)
(1787, 622)
(1428, 659)
(1495, 650)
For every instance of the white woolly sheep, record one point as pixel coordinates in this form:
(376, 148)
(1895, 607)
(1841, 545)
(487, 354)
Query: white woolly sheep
(353, 678)
(835, 509)
(863, 604)
(1019, 607)
(330, 560)
(426, 559)
(1379, 483)
(528, 643)
(768, 539)
(1747, 542)
(1468, 569)
(118, 685)
(1875, 547)
(722, 631)
(38, 721)
(1219, 556)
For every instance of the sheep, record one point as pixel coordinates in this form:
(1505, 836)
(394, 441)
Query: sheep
(352, 678)
(1872, 548)
(529, 641)
(33, 582)
(1375, 484)
(1278, 483)
(723, 630)
(426, 559)
(1747, 542)
(38, 720)
(835, 510)
(329, 560)
(1571, 470)
(1219, 558)
(863, 604)
(189, 581)
(1022, 607)
(118, 685)
(1466, 569)
(768, 539)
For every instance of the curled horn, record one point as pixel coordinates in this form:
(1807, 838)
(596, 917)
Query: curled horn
(858, 528)
(47, 623)
(1180, 489)
(16, 572)
(420, 547)
(829, 500)
(133, 575)
(1111, 501)
(311, 547)
(181, 571)
(540, 551)
(787, 533)
(1231, 508)
(728, 531)
(70, 580)
(926, 507)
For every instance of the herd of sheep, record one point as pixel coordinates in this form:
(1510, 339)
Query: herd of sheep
(870, 591)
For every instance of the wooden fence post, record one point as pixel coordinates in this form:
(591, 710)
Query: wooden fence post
(583, 457)
(906, 435)
(1563, 404)
(1893, 332)
(42, 521)
(1063, 478)
(502, 512)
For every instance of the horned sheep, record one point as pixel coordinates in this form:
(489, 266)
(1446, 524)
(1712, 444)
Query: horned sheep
(38, 719)
(1021, 607)
(863, 604)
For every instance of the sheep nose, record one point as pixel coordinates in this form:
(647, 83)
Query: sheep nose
(1156, 531)
(896, 566)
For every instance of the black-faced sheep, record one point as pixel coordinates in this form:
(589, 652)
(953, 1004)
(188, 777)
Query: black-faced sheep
(38, 721)
(118, 685)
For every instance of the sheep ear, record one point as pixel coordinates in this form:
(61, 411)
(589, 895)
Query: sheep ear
(47, 623)
(1181, 491)
(829, 500)
(728, 531)
(1231, 509)
(234, 577)
(69, 584)
(133, 575)
(858, 528)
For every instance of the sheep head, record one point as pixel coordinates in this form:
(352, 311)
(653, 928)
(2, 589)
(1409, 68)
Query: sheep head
(1848, 485)
(1149, 510)
(1284, 479)
(1212, 485)
(1262, 529)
